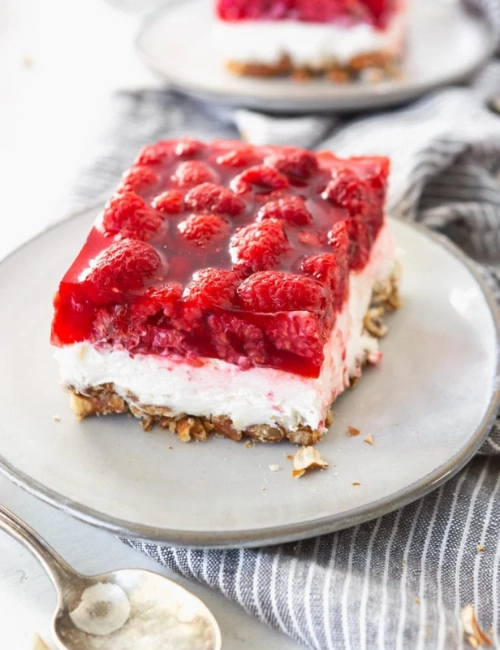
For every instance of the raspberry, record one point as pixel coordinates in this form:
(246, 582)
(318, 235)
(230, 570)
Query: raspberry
(297, 164)
(291, 209)
(260, 178)
(208, 197)
(141, 327)
(360, 240)
(167, 340)
(138, 179)
(189, 148)
(376, 171)
(192, 173)
(157, 299)
(323, 11)
(338, 238)
(237, 341)
(349, 192)
(127, 214)
(202, 229)
(300, 333)
(127, 265)
(243, 9)
(211, 288)
(169, 202)
(243, 157)
(330, 269)
(112, 326)
(259, 245)
(155, 154)
(272, 291)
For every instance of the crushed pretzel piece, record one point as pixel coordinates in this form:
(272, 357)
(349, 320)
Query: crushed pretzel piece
(369, 439)
(417, 600)
(37, 643)
(307, 458)
(274, 468)
(480, 548)
(289, 456)
(473, 633)
(352, 431)
(249, 444)
(356, 484)
(374, 323)
(56, 418)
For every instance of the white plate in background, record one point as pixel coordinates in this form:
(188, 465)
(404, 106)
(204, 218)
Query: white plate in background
(446, 45)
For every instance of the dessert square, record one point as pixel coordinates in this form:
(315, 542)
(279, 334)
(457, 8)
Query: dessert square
(229, 289)
(346, 40)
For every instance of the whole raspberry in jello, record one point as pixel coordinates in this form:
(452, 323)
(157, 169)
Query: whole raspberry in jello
(127, 265)
(225, 251)
(201, 229)
(208, 197)
(272, 291)
(260, 246)
(127, 215)
(291, 209)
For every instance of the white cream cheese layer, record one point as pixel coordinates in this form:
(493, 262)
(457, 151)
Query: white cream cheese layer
(307, 44)
(254, 396)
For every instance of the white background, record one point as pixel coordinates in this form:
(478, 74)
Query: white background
(59, 61)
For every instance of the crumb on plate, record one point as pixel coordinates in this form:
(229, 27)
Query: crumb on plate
(307, 458)
(352, 431)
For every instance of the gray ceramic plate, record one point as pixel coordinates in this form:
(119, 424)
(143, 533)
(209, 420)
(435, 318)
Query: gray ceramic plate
(446, 46)
(428, 407)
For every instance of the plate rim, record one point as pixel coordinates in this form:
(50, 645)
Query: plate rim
(287, 532)
(365, 101)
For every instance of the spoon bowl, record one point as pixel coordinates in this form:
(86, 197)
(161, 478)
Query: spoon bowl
(118, 610)
(134, 608)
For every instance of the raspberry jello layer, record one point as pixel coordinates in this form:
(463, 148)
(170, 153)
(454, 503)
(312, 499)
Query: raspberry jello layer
(228, 288)
(345, 39)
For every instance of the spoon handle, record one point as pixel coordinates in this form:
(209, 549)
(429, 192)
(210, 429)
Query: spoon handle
(57, 569)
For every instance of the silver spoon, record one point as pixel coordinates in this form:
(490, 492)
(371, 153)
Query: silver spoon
(130, 608)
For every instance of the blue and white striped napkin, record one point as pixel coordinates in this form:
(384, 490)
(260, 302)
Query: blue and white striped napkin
(398, 582)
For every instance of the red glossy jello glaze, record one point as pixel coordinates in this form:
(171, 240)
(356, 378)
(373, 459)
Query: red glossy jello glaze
(225, 251)
(318, 11)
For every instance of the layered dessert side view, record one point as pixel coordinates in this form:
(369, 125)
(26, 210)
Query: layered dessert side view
(229, 289)
(345, 40)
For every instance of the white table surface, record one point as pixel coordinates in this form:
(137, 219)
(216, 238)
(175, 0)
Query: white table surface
(59, 61)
